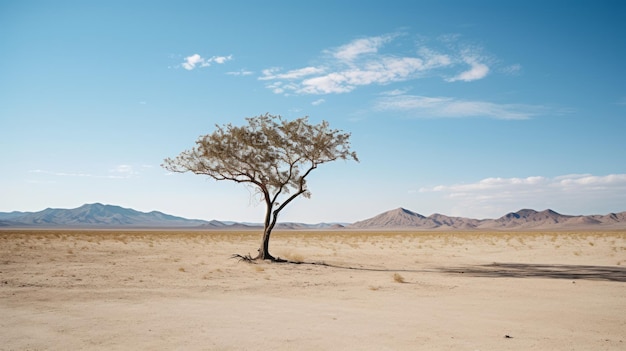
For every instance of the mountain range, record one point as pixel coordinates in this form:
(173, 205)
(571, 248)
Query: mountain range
(525, 219)
(109, 216)
(98, 215)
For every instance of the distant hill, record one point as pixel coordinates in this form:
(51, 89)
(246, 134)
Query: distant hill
(98, 215)
(95, 215)
(109, 216)
(528, 219)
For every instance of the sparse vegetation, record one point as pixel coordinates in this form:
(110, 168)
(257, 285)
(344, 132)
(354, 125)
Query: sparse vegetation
(398, 278)
(101, 269)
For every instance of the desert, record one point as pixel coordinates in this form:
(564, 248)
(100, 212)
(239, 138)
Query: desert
(347, 290)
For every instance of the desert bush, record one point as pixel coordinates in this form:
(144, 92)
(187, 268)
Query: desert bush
(398, 278)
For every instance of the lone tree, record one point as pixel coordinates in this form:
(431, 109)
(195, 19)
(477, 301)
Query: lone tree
(271, 154)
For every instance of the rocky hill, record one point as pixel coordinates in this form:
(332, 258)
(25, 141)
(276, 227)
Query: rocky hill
(98, 215)
(95, 215)
(528, 219)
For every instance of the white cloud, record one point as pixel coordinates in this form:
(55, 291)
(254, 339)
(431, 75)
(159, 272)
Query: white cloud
(123, 171)
(573, 193)
(477, 71)
(358, 47)
(364, 62)
(241, 72)
(447, 107)
(382, 71)
(331, 83)
(490, 184)
(434, 59)
(117, 172)
(394, 92)
(195, 60)
(271, 74)
(61, 174)
(220, 59)
(318, 102)
(276, 87)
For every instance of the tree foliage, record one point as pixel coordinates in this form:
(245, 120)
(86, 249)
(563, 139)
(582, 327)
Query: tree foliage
(272, 154)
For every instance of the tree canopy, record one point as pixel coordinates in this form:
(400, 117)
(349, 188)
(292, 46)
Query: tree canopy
(270, 153)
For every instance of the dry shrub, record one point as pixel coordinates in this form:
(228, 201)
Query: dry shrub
(398, 278)
(122, 239)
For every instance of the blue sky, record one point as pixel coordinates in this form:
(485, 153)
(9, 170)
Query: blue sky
(463, 108)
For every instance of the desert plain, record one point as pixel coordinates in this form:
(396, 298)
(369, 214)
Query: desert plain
(354, 290)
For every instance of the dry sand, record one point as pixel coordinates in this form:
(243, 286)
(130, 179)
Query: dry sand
(135, 290)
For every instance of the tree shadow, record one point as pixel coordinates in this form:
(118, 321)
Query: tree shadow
(553, 271)
(494, 270)
(278, 260)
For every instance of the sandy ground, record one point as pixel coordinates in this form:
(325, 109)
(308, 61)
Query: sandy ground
(135, 290)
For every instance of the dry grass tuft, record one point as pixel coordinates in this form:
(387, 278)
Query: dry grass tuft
(398, 278)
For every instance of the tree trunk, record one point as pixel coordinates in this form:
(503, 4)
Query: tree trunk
(264, 251)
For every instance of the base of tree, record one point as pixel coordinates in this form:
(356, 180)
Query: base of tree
(249, 259)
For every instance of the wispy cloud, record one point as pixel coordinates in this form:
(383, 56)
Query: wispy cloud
(448, 107)
(364, 62)
(241, 72)
(272, 73)
(512, 69)
(394, 92)
(477, 70)
(61, 174)
(117, 172)
(537, 191)
(318, 102)
(123, 171)
(220, 59)
(358, 47)
(195, 60)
